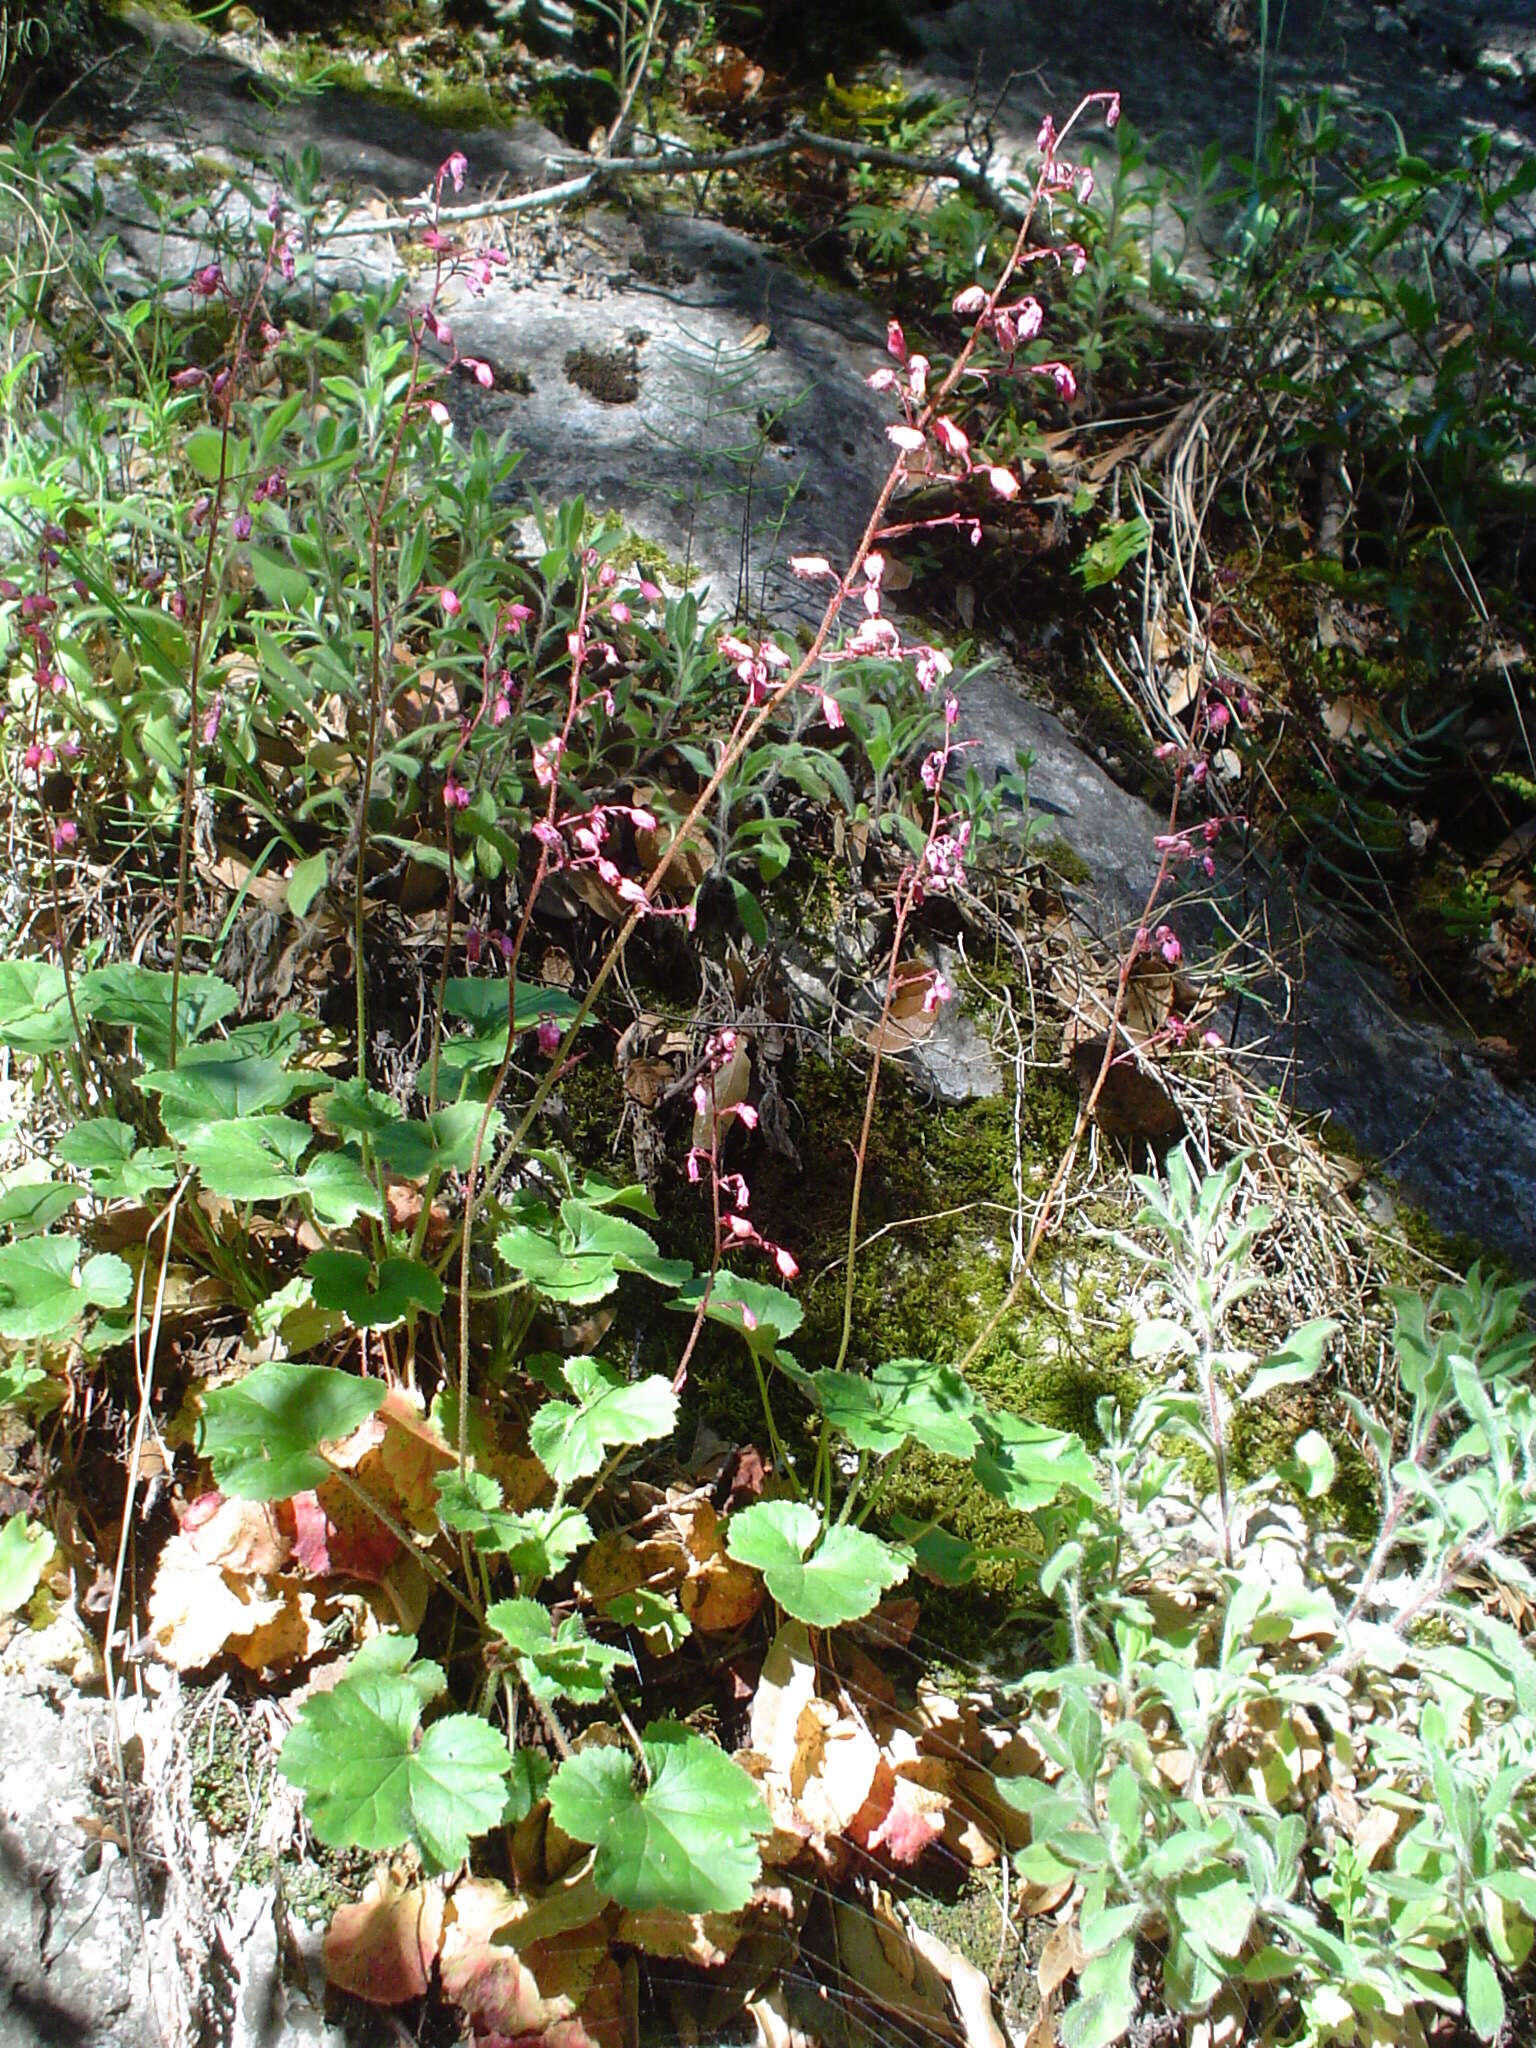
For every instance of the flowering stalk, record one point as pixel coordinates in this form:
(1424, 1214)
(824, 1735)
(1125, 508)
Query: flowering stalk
(938, 870)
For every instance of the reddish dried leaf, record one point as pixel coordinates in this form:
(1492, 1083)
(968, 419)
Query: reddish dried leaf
(335, 1535)
(383, 1948)
(562, 1993)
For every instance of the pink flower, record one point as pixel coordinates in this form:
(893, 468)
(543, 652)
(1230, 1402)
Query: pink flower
(1084, 185)
(917, 376)
(1218, 717)
(474, 945)
(907, 439)
(618, 611)
(881, 380)
(810, 565)
(747, 1115)
(938, 991)
(207, 281)
(971, 300)
(481, 372)
(455, 795)
(784, 1262)
(455, 167)
(1045, 141)
(933, 666)
(439, 414)
(895, 341)
(1213, 1041)
(65, 833)
(1004, 483)
(1168, 944)
(185, 380)
(545, 758)
(1061, 376)
(450, 601)
(831, 711)
(952, 439)
(549, 1037)
(213, 718)
(240, 525)
(1112, 111)
(1029, 317)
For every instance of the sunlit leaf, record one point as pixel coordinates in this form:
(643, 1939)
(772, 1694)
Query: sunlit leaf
(842, 1578)
(372, 1779)
(25, 1548)
(372, 1297)
(554, 1663)
(686, 1840)
(261, 1434)
(1026, 1464)
(581, 1261)
(904, 1397)
(572, 1439)
(764, 1315)
(45, 1290)
(536, 1545)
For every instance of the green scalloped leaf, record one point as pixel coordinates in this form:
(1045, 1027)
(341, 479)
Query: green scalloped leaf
(537, 1545)
(820, 1579)
(45, 1290)
(563, 1663)
(373, 1779)
(372, 1297)
(572, 1440)
(686, 1841)
(262, 1434)
(581, 1261)
(904, 1397)
(765, 1316)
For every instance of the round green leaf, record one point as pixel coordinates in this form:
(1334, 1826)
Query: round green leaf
(904, 1397)
(372, 1780)
(260, 1434)
(40, 1294)
(372, 1297)
(684, 1841)
(842, 1580)
(573, 1440)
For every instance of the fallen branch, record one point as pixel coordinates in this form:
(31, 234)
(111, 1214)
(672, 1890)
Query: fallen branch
(668, 162)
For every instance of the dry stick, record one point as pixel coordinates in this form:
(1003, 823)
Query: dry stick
(194, 671)
(681, 163)
(145, 1367)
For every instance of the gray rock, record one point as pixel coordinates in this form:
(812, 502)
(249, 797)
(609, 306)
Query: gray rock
(74, 1973)
(664, 367)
